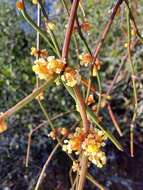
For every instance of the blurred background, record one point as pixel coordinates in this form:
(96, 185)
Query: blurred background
(18, 80)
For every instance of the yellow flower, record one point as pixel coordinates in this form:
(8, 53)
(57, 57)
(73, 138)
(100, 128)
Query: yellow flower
(64, 132)
(39, 53)
(133, 32)
(40, 96)
(50, 26)
(99, 159)
(55, 65)
(92, 148)
(90, 144)
(3, 125)
(85, 58)
(35, 2)
(75, 166)
(71, 77)
(53, 135)
(126, 45)
(40, 68)
(96, 67)
(20, 5)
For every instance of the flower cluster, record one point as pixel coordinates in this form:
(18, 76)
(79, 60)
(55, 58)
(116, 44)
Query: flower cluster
(41, 69)
(71, 77)
(74, 141)
(91, 145)
(47, 66)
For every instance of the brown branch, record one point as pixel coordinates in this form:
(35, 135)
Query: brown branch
(46, 165)
(69, 29)
(114, 120)
(80, 100)
(106, 30)
(133, 45)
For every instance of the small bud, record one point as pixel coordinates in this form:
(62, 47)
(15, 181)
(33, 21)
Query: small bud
(64, 132)
(35, 2)
(50, 26)
(126, 45)
(86, 26)
(20, 5)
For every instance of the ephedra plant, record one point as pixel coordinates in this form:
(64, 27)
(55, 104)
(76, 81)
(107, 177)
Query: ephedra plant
(84, 144)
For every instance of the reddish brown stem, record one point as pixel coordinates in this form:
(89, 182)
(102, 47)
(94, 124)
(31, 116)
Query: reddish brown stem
(69, 29)
(106, 30)
(113, 118)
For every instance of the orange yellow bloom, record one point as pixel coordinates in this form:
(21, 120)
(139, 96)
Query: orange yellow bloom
(64, 132)
(96, 67)
(40, 96)
(50, 26)
(45, 68)
(20, 5)
(75, 166)
(53, 135)
(126, 45)
(55, 65)
(92, 147)
(85, 58)
(75, 141)
(86, 26)
(90, 144)
(35, 2)
(71, 77)
(39, 53)
(40, 68)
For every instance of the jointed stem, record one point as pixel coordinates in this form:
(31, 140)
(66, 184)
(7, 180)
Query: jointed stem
(133, 77)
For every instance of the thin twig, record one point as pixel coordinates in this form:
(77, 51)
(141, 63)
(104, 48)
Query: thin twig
(106, 30)
(114, 120)
(133, 77)
(46, 165)
(134, 22)
(26, 100)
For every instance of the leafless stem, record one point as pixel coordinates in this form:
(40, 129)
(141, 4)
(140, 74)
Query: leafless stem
(45, 166)
(106, 30)
(114, 120)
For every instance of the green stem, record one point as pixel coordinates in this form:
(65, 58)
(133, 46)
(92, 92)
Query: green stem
(26, 100)
(100, 92)
(134, 86)
(35, 27)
